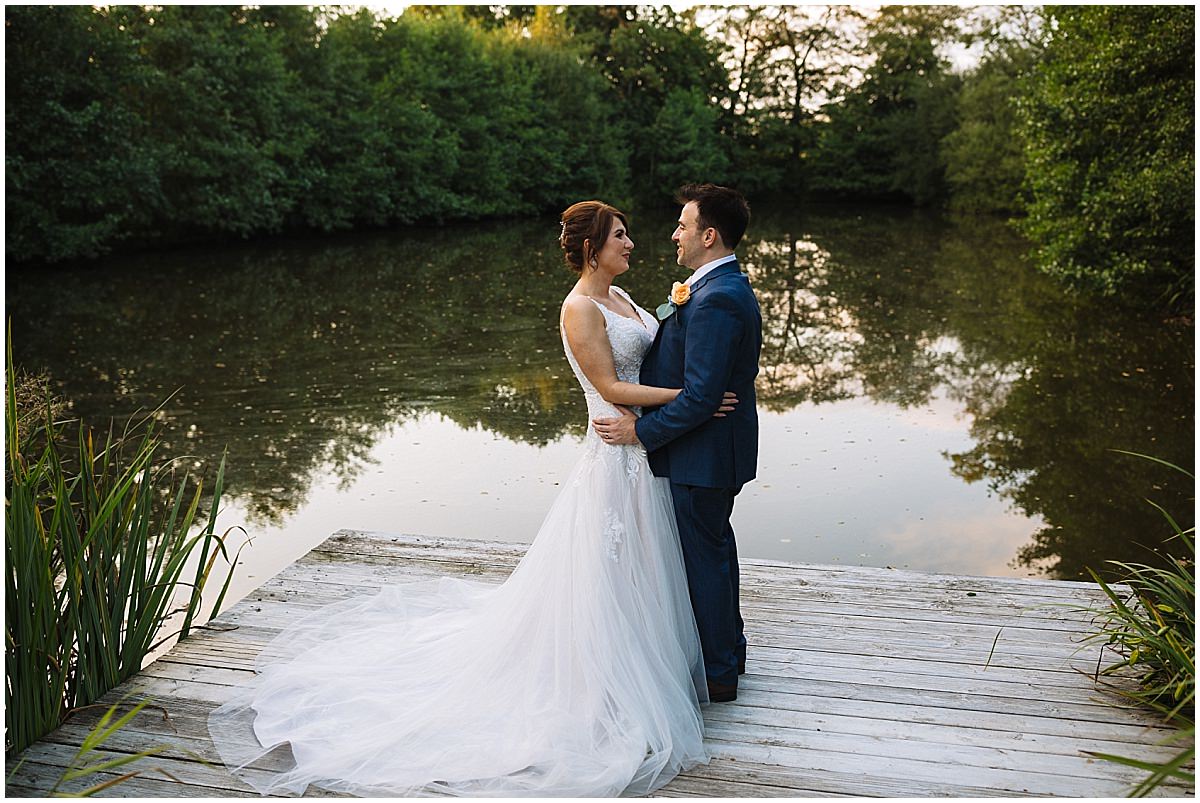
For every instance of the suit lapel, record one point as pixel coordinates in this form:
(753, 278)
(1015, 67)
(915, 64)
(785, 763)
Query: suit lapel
(721, 270)
(677, 319)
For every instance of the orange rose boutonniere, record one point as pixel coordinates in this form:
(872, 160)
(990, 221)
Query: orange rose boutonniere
(680, 293)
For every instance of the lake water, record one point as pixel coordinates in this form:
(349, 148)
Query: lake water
(928, 401)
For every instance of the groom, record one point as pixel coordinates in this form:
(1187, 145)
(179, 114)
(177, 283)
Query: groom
(708, 342)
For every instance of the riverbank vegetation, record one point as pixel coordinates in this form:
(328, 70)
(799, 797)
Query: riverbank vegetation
(1151, 628)
(101, 562)
(147, 126)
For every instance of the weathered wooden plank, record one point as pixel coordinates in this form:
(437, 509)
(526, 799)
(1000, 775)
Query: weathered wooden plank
(686, 786)
(1047, 601)
(189, 740)
(863, 682)
(187, 727)
(985, 617)
(932, 666)
(831, 782)
(243, 658)
(810, 680)
(985, 640)
(48, 756)
(256, 635)
(916, 775)
(900, 747)
(303, 597)
(279, 611)
(983, 620)
(235, 672)
(992, 712)
(767, 718)
(485, 554)
(358, 540)
(137, 787)
(218, 687)
(185, 724)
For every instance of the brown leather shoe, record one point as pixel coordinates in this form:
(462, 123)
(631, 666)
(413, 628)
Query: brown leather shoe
(720, 693)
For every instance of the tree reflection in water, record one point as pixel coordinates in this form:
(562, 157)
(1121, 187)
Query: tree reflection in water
(899, 307)
(299, 356)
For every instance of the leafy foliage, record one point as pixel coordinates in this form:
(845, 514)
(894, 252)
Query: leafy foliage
(984, 155)
(146, 125)
(97, 543)
(883, 138)
(135, 126)
(1107, 116)
(1152, 629)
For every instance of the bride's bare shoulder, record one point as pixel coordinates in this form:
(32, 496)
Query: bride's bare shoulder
(582, 318)
(579, 306)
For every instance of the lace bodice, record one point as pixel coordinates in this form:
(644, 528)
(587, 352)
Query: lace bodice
(630, 341)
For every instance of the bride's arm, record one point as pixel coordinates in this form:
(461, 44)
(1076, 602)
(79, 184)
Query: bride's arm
(583, 324)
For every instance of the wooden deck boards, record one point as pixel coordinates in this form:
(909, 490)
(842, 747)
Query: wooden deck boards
(862, 682)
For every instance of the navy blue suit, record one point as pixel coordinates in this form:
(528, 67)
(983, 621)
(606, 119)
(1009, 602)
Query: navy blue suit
(709, 345)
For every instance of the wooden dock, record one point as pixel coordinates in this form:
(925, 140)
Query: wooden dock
(861, 682)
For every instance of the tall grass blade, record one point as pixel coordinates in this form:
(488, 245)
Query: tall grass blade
(78, 767)
(98, 535)
(1152, 632)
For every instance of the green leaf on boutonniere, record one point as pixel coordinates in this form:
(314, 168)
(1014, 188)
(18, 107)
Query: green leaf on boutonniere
(665, 311)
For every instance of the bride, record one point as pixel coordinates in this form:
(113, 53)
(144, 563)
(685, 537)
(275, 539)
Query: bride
(579, 676)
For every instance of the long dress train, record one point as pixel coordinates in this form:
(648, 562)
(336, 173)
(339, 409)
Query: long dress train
(580, 675)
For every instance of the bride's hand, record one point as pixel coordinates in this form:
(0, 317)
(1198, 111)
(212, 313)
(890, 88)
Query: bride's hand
(727, 404)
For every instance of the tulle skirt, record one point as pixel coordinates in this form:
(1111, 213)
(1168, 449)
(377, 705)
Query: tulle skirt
(581, 675)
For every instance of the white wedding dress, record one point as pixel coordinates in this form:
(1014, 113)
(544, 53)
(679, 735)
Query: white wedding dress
(579, 676)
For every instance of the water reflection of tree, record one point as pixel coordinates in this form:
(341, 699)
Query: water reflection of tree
(276, 356)
(898, 307)
(1080, 378)
(279, 358)
(846, 310)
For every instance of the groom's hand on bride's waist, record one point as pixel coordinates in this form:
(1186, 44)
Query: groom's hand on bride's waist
(617, 431)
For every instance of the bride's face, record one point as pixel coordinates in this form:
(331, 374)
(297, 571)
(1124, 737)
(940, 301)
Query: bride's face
(613, 256)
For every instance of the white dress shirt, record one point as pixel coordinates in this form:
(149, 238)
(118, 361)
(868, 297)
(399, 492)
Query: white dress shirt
(707, 268)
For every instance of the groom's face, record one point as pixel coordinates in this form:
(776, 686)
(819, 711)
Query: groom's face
(690, 249)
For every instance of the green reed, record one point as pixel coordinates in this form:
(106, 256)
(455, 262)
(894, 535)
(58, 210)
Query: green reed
(1152, 630)
(97, 552)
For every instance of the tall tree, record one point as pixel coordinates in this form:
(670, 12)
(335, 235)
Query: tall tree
(784, 62)
(1108, 118)
(882, 140)
(647, 54)
(80, 172)
(984, 155)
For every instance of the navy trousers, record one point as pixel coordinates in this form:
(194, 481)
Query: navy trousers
(710, 558)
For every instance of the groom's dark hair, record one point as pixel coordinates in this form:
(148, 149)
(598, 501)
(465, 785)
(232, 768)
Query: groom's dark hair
(721, 208)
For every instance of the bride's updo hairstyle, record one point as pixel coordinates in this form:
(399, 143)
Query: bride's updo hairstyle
(585, 227)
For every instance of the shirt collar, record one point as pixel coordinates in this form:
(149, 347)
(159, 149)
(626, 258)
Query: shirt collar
(707, 268)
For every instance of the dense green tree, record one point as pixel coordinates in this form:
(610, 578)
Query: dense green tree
(150, 125)
(686, 143)
(216, 110)
(1108, 118)
(882, 140)
(486, 17)
(346, 165)
(646, 55)
(574, 140)
(985, 155)
(129, 126)
(80, 173)
(784, 62)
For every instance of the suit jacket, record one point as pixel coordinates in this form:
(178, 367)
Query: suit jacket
(709, 345)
